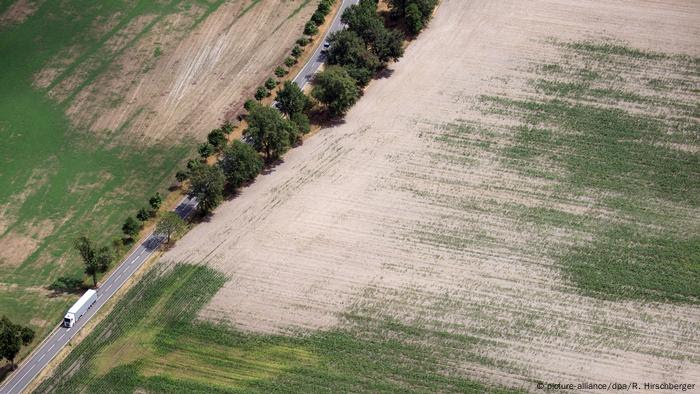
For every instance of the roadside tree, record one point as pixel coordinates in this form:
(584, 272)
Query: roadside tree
(335, 88)
(240, 163)
(348, 50)
(96, 260)
(170, 225)
(12, 338)
(155, 201)
(131, 227)
(291, 99)
(142, 215)
(205, 150)
(207, 185)
(217, 139)
(261, 93)
(181, 176)
(301, 121)
(269, 132)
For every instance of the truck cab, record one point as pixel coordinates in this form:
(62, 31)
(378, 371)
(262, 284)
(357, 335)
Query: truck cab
(68, 320)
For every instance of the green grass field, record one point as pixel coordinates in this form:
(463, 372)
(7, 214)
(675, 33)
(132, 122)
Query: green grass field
(152, 341)
(57, 182)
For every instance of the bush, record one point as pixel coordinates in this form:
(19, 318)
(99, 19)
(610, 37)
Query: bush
(290, 61)
(303, 41)
(318, 17)
(181, 176)
(227, 127)
(131, 227)
(270, 83)
(67, 284)
(297, 51)
(310, 29)
(261, 93)
(217, 139)
(249, 104)
(205, 150)
(192, 163)
(280, 72)
(141, 215)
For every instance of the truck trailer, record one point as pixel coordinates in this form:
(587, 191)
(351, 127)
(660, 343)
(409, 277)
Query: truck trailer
(79, 308)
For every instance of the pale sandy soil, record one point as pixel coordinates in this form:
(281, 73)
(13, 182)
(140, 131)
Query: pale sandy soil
(200, 74)
(18, 12)
(362, 217)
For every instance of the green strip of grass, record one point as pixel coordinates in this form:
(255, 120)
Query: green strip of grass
(628, 264)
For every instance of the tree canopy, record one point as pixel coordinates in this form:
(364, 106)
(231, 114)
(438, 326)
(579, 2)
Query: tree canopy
(349, 50)
(96, 260)
(170, 225)
(217, 139)
(415, 12)
(335, 88)
(131, 227)
(269, 132)
(240, 163)
(12, 337)
(291, 99)
(207, 185)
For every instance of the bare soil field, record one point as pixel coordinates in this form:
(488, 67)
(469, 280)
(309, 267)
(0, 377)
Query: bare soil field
(177, 76)
(432, 206)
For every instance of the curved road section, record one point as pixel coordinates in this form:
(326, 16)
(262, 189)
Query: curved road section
(30, 367)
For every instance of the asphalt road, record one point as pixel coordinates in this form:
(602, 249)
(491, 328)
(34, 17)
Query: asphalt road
(18, 380)
(317, 59)
(30, 367)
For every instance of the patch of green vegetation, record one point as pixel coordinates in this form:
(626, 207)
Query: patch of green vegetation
(611, 48)
(608, 148)
(152, 341)
(626, 161)
(627, 263)
(57, 177)
(298, 9)
(249, 7)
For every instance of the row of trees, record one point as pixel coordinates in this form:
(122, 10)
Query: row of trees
(355, 56)
(12, 338)
(270, 133)
(367, 45)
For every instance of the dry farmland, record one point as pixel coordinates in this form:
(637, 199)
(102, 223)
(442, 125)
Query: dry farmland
(517, 202)
(101, 103)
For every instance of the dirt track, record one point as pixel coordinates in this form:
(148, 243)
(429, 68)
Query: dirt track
(352, 220)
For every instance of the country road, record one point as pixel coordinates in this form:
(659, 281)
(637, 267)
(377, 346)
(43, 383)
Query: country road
(317, 59)
(60, 336)
(30, 367)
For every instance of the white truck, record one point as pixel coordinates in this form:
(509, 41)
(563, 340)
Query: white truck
(79, 308)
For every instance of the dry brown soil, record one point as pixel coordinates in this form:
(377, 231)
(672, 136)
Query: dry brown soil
(353, 220)
(184, 87)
